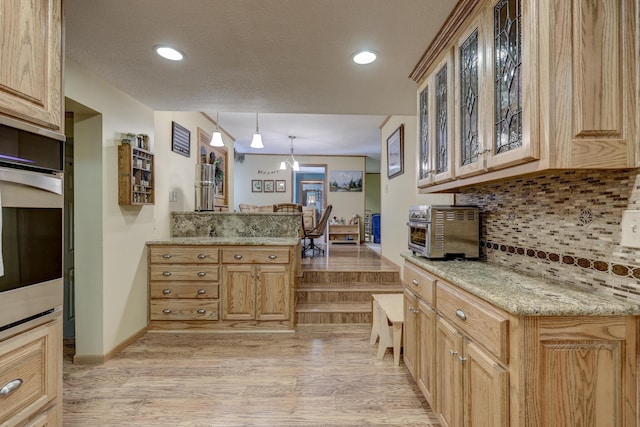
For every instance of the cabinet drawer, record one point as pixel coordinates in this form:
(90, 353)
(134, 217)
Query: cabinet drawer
(183, 254)
(27, 366)
(175, 290)
(483, 323)
(183, 309)
(255, 256)
(421, 282)
(205, 272)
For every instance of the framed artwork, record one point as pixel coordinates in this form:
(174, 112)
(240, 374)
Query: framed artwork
(350, 181)
(256, 186)
(395, 153)
(281, 186)
(267, 185)
(180, 139)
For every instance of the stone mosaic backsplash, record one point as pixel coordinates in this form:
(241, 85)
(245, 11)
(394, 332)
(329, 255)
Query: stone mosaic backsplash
(233, 224)
(563, 226)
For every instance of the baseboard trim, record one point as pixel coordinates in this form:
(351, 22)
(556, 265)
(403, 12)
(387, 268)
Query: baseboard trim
(95, 359)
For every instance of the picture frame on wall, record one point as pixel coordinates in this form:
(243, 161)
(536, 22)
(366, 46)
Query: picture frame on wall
(395, 153)
(281, 186)
(267, 186)
(256, 186)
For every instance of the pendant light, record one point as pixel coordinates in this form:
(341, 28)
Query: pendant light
(216, 138)
(291, 161)
(256, 142)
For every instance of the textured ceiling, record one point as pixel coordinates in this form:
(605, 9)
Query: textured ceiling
(288, 60)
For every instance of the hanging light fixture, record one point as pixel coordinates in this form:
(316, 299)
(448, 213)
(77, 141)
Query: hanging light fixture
(256, 142)
(216, 138)
(291, 161)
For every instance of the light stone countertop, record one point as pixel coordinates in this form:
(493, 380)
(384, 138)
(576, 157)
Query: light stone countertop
(522, 294)
(228, 241)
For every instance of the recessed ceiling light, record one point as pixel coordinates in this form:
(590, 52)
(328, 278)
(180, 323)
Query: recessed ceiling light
(364, 57)
(169, 53)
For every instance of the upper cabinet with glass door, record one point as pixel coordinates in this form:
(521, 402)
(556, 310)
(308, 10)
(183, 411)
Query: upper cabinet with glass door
(539, 84)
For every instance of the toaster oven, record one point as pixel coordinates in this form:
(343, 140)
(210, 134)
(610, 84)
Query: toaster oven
(444, 232)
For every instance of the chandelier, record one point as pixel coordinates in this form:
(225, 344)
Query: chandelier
(291, 161)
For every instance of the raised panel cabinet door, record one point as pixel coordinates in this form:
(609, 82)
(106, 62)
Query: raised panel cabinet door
(486, 389)
(426, 351)
(449, 393)
(273, 292)
(410, 333)
(239, 292)
(511, 70)
(31, 62)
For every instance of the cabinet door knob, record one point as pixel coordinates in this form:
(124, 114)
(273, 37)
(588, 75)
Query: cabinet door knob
(202, 311)
(462, 359)
(415, 282)
(201, 291)
(238, 256)
(452, 352)
(202, 256)
(10, 387)
(166, 311)
(166, 256)
(461, 314)
(166, 273)
(166, 291)
(201, 273)
(273, 256)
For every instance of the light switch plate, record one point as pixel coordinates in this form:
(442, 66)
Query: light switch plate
(630, 236)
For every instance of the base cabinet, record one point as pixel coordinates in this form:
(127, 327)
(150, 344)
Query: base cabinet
(494, 368)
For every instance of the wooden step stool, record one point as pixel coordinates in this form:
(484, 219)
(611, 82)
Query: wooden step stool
(387, 319)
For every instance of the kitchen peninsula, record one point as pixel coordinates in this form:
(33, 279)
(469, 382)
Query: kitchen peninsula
(225, 271)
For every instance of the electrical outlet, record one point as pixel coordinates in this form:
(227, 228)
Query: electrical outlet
(173, 196)
(630, 236)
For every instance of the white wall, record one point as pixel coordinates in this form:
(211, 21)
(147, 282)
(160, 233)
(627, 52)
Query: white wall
(401, 192)
(258, 166)
(110, 251)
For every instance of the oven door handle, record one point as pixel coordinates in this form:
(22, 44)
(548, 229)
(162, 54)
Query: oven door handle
(50, 183)
(417, 224)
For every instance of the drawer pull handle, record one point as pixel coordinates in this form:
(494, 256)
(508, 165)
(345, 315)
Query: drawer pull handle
(166, 291)
(461, 314)
(238, 256)
(202, 311)
(202, 256)
(166, 311)
(452, 352)
(166, 256)
(462, 359)
(166, 273)
(201, 273)
(415, 282)
(273, 256)
(10, 387)
(201, 292)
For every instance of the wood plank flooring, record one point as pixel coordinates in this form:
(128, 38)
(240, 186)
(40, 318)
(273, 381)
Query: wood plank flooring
(325, 375)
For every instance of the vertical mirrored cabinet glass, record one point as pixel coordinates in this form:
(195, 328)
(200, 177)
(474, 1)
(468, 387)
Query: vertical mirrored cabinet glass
(508, 73)
(469, 100)
(424, 134)
(441, 163)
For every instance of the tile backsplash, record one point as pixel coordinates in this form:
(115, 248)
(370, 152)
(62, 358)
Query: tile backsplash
(563, 225)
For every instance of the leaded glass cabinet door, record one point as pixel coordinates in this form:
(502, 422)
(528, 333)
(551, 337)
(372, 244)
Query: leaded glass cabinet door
(424, 151)
(472, 103)
(442, 148)
(511, 71)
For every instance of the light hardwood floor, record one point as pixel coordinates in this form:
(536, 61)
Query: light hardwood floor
(326, 375)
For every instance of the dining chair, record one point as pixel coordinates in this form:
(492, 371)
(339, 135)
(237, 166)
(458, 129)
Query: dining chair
(316, 232)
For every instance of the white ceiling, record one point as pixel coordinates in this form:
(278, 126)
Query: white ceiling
(288, 60)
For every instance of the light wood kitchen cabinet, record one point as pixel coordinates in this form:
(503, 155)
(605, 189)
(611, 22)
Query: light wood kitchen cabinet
(495, 368)
(31, 376)
(31, 72)
(557, 88)
(410, 332)
(136, 171)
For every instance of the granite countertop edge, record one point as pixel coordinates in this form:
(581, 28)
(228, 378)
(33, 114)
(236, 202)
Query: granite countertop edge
(228, 241)
(522, 294)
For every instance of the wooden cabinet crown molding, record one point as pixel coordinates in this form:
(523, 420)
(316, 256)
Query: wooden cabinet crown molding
(444, 37)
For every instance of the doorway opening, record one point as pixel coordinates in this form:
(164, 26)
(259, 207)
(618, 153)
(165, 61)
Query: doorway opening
(309, 187)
